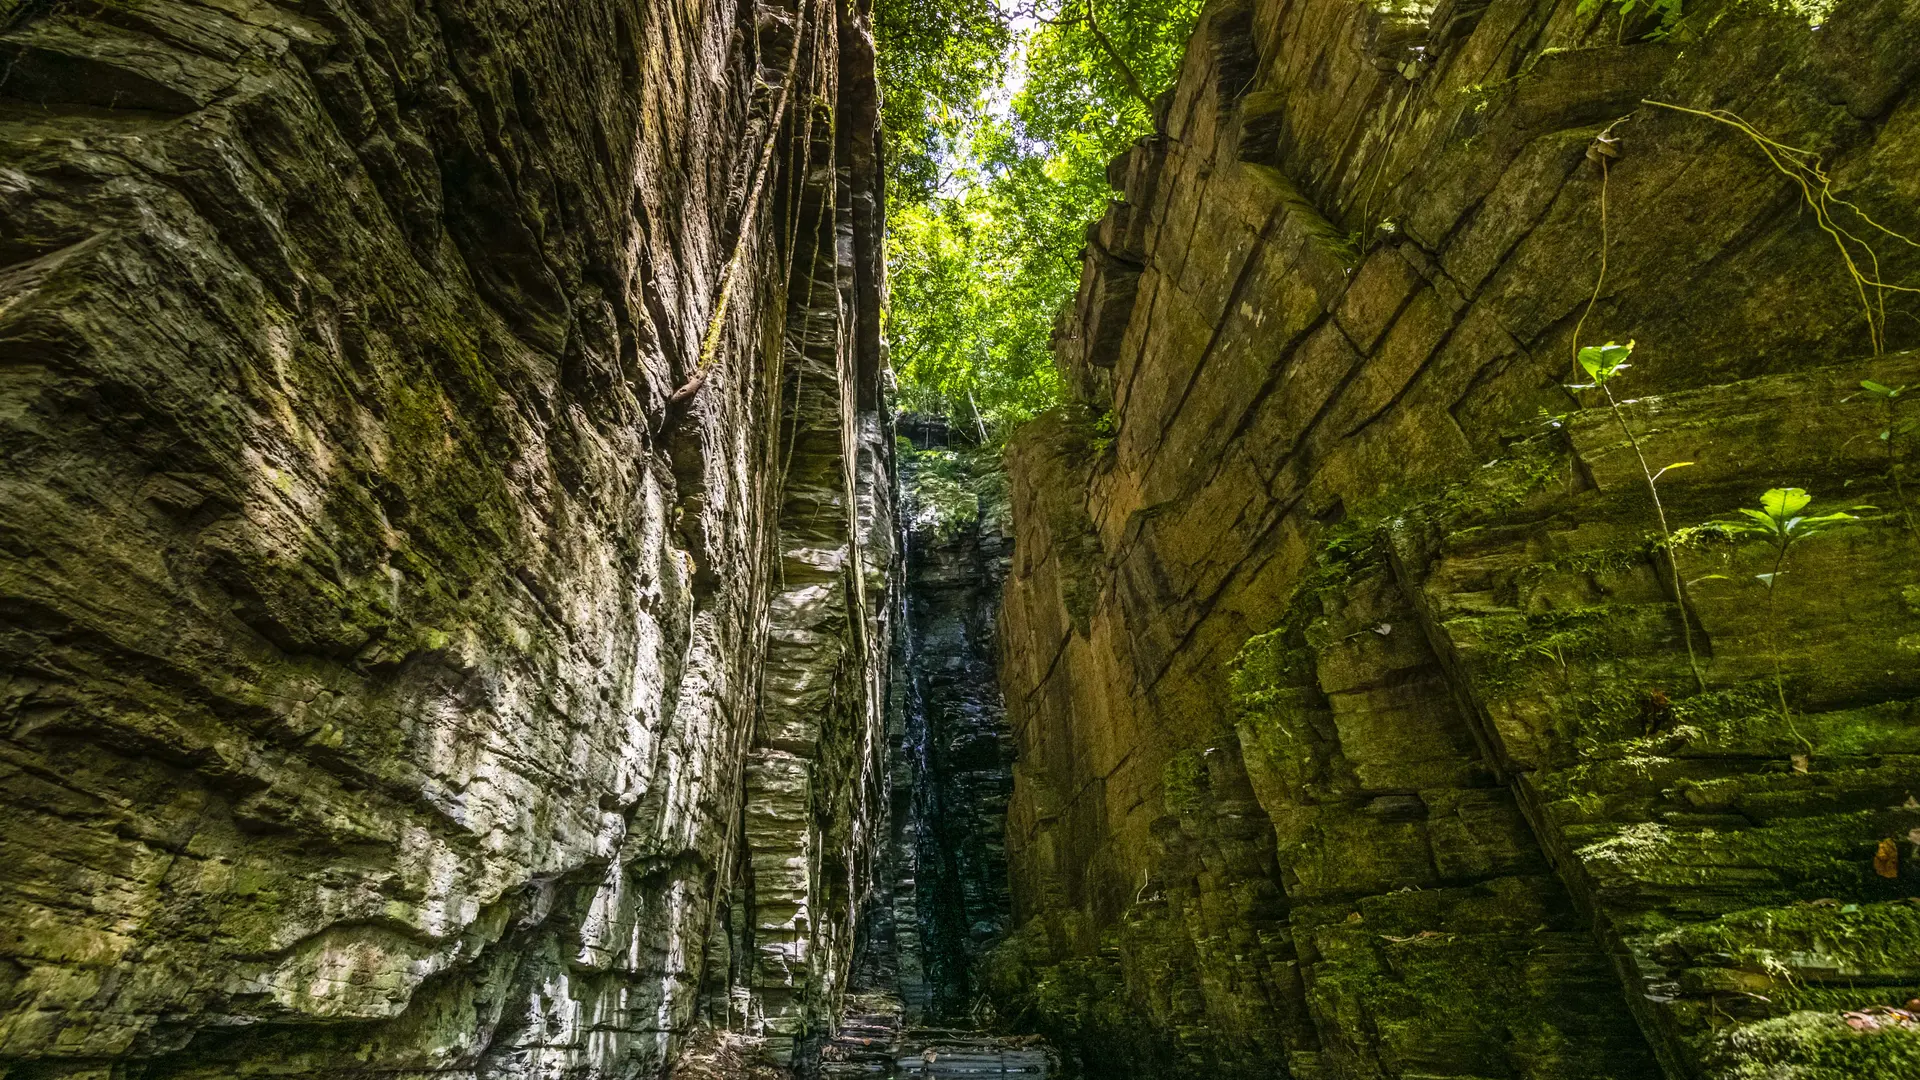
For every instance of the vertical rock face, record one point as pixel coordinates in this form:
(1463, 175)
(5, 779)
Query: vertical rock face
(1353, 686)
(953, 750)
(447, 532)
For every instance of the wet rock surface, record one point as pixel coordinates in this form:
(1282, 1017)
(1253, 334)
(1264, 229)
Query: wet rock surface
(953, 752)
(438, 634)
(1357, 730)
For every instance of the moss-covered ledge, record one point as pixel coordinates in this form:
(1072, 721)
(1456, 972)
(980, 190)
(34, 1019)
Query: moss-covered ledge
(1684, 815)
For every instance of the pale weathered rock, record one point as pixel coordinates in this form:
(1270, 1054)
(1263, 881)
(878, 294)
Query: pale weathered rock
(420, 655)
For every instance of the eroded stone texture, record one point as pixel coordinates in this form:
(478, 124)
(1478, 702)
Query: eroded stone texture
(1344, 749)
(953, 749)
(424, 652)
(1726, 852)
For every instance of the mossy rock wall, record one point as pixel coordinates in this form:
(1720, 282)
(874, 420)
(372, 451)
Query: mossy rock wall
(1357, 724)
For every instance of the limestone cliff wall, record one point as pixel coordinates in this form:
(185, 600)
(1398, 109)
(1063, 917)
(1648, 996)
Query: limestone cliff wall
(443, 615)
(1351, 681)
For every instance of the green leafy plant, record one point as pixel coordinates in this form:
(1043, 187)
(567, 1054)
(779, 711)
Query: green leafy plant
(1103, 432)
(1667, 10)
(1604, 364)
(1890, 436)
(993, 179)
(1779, 520)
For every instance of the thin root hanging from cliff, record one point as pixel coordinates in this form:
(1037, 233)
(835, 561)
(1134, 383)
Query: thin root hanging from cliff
(1604, 148)
(1804, 168)
(803, 136)
(710, 341)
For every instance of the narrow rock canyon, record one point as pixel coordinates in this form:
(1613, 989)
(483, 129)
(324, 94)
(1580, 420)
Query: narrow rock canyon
(470, 606)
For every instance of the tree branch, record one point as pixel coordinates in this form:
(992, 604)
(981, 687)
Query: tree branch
(1126, 70)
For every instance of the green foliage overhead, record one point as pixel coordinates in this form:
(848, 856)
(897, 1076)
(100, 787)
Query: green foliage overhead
(986, 227)
(1093, 69)
(973, 298)
(937, 60)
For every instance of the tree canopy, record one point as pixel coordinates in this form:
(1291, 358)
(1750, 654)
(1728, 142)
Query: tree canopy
(1001, 122)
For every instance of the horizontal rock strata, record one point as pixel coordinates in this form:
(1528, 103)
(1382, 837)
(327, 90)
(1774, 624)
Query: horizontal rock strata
(446, 536)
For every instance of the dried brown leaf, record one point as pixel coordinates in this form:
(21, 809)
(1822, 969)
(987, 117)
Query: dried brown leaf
(1886, 859)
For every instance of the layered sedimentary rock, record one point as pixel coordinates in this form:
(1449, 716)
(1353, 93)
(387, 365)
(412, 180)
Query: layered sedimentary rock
(446, 534)
(1354, 683)
(953, 751)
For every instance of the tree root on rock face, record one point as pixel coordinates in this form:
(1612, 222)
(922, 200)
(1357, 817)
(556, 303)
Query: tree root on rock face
(710, 341)
(1816, 187)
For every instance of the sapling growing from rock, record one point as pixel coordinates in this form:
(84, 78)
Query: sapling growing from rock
(1779, 520)
(1889, 397)
(1604, 364)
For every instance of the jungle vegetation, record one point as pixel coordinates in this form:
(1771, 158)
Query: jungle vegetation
(1001, 121)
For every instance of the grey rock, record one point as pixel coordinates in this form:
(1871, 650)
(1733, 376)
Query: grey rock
(417, 656)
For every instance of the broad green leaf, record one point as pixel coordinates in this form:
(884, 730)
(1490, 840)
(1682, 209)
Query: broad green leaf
(1779, 520)
(1781, 503)
(1604, 362)
(1766, 579)
(1809, 526)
